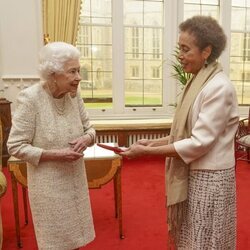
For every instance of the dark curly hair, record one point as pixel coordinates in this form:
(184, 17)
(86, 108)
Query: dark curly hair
(206, 31)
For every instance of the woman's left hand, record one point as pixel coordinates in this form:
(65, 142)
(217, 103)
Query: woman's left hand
(80, 144)
(134, 150)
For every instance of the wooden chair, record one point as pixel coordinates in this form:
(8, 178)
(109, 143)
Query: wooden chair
(3, 183)
(242, 139)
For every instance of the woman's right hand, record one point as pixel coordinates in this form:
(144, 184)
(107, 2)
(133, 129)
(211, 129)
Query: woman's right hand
(135, 150)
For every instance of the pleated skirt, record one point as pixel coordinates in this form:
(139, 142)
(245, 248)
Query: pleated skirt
(210, 223)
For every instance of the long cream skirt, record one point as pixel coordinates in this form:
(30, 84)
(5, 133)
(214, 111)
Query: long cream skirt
(211, 211)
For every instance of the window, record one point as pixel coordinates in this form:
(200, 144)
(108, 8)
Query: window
(95, 43)
(240, 39)
(139, 59)
(127, 46)
(201, 7)
(144, 20)
(240, 49)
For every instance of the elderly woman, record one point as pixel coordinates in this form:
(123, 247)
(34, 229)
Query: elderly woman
(200, 175)
(50, 130)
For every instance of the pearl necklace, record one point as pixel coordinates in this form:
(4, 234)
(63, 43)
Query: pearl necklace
(59, 104)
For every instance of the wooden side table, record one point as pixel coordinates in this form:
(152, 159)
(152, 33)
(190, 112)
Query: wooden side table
(18, 171)
(102, 166)
(5, 115)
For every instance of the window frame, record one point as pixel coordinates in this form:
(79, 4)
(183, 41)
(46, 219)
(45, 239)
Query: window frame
(173, 15)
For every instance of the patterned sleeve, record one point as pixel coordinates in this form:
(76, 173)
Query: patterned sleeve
(23, 130)
(88, 128)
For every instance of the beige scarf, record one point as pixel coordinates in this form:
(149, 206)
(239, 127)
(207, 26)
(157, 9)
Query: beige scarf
(176, 170)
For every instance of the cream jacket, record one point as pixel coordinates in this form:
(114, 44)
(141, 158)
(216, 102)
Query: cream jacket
(214, 123)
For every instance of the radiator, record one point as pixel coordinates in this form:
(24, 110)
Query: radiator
(135, 137)
(106, 138)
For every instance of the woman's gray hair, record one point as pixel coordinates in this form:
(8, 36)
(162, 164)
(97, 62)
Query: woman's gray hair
(53, 56)
(207, 32)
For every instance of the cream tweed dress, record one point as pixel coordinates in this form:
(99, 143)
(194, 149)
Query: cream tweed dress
(58, 191)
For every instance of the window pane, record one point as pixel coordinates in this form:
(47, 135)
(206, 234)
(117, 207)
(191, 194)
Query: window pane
(237, 44)
(248, 20)
(212, 11)
(101, 54)
(134, 41)
(208, 2)
(239, 90)
(239, 3)
(98, 81)
(246, 94)
(153, 41)
(242, 90)
(236, 59)
(192, 1)
(211, 2)
(101, 35)
(94, 40)
(208, 8)
(99, 10)
(153, 92)
(101, 20)
(153, 13)
(133, 68)
(133, 92)
(191, 10)
(133, 12)
(247, 76)
(246, 49)
(97, 87)
(236, 70)
(143, 93)
(238, 19)
(143, 52)
(149, 64)
(240, 49)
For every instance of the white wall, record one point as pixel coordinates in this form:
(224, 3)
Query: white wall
(20, 40)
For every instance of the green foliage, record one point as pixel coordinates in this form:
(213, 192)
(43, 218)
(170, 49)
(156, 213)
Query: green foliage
(178, 73)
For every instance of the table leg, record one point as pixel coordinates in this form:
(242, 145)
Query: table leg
(118, 200)
(25, 206)
(16, 209)
(115, 195)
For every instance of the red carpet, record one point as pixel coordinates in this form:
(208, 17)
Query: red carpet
(144, 219)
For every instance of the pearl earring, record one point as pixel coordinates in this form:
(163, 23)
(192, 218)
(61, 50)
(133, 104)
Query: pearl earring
(206, 63)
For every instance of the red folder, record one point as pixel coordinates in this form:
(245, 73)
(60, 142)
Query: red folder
(113, 148)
